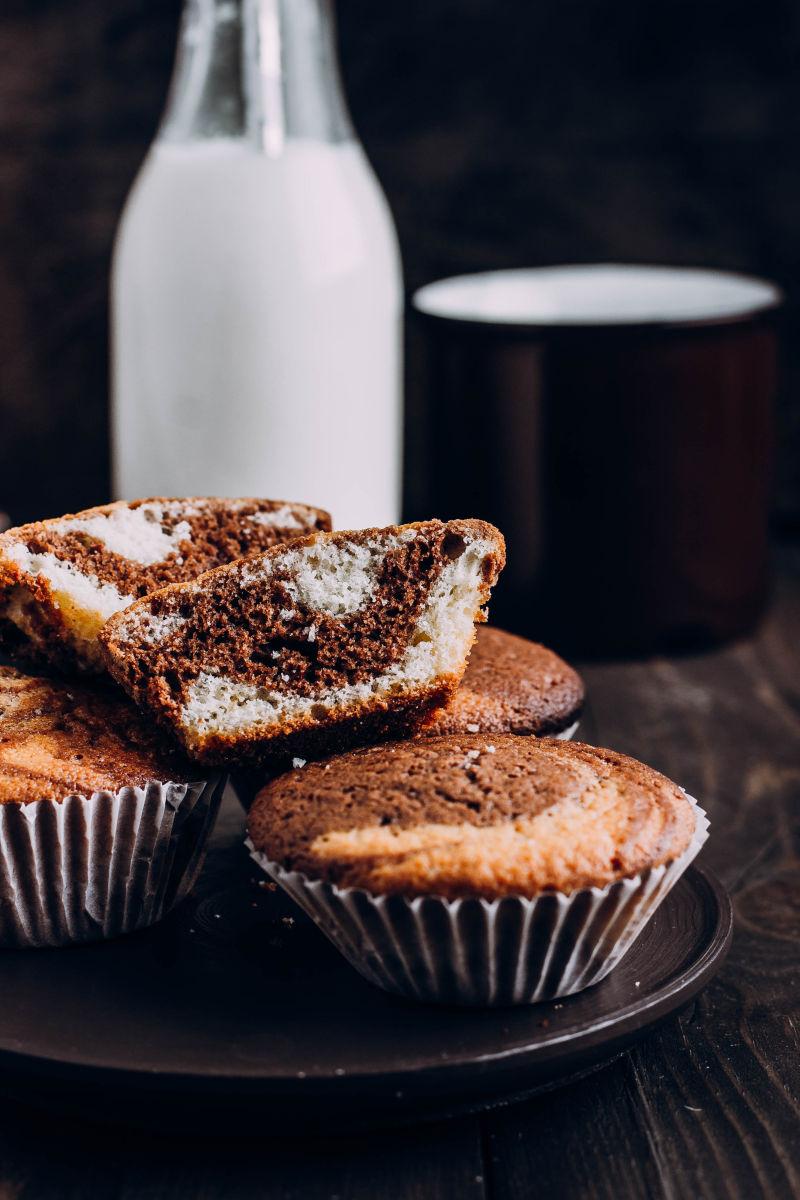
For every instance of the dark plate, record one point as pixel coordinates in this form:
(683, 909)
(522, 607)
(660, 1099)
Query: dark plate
(236, 1008)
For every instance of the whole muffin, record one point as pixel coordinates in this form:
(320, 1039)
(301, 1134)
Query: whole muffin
(512, 685)
(57, 739)
(102, 826)
(566, 850)
(460, 816)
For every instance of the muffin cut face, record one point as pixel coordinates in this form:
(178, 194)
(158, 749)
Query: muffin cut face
(58, 740)
(335, 639)
(60, 580)
(511, 685)
(465, 816)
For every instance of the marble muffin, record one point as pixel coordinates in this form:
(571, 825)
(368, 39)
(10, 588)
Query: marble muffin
(476, 869)
(61, 579)
(103, 825)
(461, 816)
(335, 640)
(512, 685)
(59, 739)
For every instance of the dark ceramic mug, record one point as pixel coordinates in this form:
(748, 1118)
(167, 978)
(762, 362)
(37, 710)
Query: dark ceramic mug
(616, 423)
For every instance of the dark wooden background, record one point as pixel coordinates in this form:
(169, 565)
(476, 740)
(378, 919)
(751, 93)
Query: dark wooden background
(504, 134)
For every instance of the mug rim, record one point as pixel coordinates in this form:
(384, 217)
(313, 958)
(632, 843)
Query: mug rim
(771, 300)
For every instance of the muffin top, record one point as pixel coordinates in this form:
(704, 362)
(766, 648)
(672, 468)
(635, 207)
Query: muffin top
(57, 739)
(511, 686)
(469, 816)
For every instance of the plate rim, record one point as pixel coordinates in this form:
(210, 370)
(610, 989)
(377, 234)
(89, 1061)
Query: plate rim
(623, 1023)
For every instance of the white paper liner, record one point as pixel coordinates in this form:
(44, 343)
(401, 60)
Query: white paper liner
(88, 868)
(566, 735)
(514, 950)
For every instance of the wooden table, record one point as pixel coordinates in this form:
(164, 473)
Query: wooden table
(709, 1106)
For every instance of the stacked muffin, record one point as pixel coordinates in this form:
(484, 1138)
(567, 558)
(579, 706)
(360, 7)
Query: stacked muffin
(417, 796)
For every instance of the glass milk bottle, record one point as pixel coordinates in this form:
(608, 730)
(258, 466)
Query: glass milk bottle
(256, 294)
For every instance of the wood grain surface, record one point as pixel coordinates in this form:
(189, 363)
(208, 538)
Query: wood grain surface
(708, 1106)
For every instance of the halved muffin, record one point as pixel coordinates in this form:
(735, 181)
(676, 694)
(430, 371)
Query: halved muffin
(61, 579)
(332, 641)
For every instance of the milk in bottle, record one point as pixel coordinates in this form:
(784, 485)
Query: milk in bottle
(256, 282)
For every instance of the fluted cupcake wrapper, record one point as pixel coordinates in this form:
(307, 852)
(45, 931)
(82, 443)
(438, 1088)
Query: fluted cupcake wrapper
(92, 867)
(566, 735)
(514, 950)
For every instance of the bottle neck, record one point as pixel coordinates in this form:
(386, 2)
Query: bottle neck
(263, 71)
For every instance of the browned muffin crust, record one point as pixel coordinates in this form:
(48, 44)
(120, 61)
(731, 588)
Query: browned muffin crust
(511, 685)
(216, 531)
(465, 815)
(255, 632)
(60, 739)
